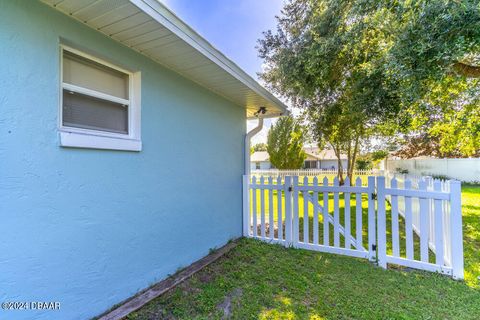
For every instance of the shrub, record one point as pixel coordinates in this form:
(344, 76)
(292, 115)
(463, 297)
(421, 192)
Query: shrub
(401, 170)
(363, 163)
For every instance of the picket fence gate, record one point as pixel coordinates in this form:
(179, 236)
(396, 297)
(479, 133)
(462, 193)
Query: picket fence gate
(431, 228)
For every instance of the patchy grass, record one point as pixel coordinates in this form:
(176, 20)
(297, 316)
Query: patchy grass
(262, 281)
(471, 234)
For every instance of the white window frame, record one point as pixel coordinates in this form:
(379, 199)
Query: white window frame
(97, 139)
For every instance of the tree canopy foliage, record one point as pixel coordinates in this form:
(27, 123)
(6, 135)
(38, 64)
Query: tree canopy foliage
(437, 58)
(285, 144)
(329, 58)
(359, 68)
(445, 122)
(260, 147)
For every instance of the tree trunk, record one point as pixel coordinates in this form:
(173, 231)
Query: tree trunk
(337, 151)
(349, 157)
(466, 70)
(351, 164)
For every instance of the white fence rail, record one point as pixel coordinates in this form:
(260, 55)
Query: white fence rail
(424, 219)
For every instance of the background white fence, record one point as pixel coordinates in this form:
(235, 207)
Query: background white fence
(467, 169)
(425, 214)
(307, 172)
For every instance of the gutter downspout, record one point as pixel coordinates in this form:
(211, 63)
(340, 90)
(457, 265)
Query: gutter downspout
(248, 137)
(246, 177)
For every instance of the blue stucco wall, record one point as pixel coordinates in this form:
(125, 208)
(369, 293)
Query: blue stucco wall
(89, 228)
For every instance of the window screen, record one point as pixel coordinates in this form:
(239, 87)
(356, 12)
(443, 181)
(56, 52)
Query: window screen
(82, 111)
(104, 105)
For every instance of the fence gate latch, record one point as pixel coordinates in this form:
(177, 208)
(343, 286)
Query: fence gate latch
(374, 247)
(374, 196)
(290, 188)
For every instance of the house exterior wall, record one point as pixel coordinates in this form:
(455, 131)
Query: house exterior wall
(328, 164)
(89, 228)
(264, 165)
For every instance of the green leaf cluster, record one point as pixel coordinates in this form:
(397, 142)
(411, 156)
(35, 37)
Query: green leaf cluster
(285, 144)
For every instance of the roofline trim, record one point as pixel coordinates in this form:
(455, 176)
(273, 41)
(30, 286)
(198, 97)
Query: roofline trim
(172, 22)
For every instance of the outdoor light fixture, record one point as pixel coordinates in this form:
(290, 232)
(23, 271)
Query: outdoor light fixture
(261, 110)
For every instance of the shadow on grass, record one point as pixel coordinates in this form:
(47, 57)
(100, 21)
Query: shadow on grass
(284, 283)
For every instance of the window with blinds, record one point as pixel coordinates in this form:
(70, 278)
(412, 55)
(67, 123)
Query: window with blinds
(310, 164)
(95, 96)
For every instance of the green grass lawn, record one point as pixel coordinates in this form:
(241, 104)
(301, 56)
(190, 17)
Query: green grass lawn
(471, 234)
(262, 281)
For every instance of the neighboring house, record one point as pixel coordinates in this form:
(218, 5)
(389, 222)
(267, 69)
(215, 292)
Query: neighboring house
(260, 160)
(100, 102)
(323, 159)
(316, 159)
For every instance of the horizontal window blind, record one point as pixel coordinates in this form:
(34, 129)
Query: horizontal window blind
(89, 74)
(82, 111)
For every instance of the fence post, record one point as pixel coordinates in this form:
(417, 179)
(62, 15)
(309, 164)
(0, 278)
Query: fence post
(456, 228)
(295, 213)
(372, 242)
(288, 210)
(424, 214)
(437, 225)
(381, 220)
(431, 216)
(246, 205)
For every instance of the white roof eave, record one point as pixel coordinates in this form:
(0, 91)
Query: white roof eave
(171, 21)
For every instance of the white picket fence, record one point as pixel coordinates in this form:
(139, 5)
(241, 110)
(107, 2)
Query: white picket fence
(307, 172)
(410, 209)
(272, 213)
